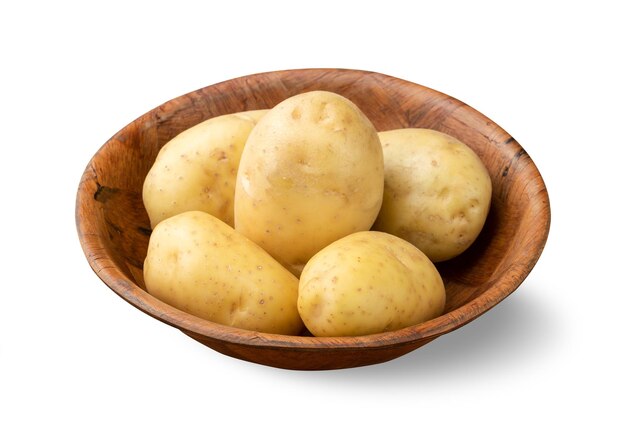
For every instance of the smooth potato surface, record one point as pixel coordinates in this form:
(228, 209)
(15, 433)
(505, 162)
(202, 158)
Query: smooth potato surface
(366, 283)
(312, 172)
(437, 191)
(197, 169)
(200, 265)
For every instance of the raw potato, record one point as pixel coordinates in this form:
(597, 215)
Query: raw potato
(367, 283)
(312, 172)
(437, 191)
(197, 169)
(200, 265)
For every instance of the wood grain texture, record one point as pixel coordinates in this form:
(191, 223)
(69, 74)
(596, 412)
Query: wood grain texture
(114, 229)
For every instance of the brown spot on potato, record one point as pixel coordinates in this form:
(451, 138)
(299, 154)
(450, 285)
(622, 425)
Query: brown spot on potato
(220, 155)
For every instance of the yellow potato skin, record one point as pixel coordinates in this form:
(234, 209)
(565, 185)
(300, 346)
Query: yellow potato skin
(312, 172)
(200, 265)
(437, 191)
(197, 169)
(367, 283)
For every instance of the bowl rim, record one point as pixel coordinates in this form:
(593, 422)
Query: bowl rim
(94, 250)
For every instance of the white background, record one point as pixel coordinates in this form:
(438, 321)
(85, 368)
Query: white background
(78, 361)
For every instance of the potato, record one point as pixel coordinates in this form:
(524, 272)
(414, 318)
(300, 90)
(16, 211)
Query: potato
(367, 283)
(311, 172)
(437, 191)
(200, 265)
(197, 169)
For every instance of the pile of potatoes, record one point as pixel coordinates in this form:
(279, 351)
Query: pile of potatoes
(305, 215)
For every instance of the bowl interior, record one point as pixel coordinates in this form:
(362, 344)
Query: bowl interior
(114, 227)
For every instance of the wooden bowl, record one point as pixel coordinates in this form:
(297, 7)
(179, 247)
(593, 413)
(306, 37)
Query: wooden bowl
(113, 226)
